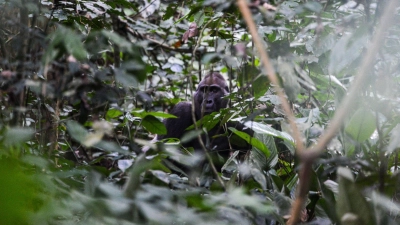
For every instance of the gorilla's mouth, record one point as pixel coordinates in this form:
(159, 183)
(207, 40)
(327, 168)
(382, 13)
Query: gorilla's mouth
(209, 110)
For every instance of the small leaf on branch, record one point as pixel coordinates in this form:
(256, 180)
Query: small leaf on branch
(192, 32)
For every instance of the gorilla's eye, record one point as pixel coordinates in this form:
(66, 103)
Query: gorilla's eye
(214, 89)
(204, 89)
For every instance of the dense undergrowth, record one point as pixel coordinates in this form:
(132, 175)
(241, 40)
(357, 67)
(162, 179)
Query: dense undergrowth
(86, 84)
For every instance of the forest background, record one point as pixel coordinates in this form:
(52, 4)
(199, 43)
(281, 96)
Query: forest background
(85, 84)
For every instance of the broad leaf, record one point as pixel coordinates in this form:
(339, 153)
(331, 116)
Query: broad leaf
(17, 136)
(113, 113)
(77, 131)
(154, 125)
(260, 86)
(161, 114)
(265, 129)
(361, 125)
(124, 164)
(352, 207)
(394, 141)
(253, 141)
(346, 50)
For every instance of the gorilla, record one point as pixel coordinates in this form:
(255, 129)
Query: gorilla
(208, 98)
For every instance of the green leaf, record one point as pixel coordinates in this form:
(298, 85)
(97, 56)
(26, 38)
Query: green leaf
(17, 135)
(199, 18)
(260, 86)
(169, 12)
(361, 125)
(135, 177)
(135, 67)
(77, 131)
(284, 203)
(265, 129)
(113, 113)
(258, 159)
(210, 57)
(117, 39)
(188, 136)
(347, 49)
(208, 121)
(259, 177)
(161, 114)
(193, 10)
(109, 146)
(352, 208)
(125, 79)
(387, 204)
(313, 6)
(325, 44)
(290, 82)
(253, 141)
(124, 164)
(161, 175)
(269, 141)
(394, 141)
(73, 44)
(153, 125)
(80, 134)
(19, 192)
(249, 73)
(333, 79)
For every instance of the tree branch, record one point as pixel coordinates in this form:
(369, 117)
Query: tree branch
(309, 156)
(244, 9)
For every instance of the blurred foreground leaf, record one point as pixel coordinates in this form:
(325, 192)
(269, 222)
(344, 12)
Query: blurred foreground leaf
(361, 125)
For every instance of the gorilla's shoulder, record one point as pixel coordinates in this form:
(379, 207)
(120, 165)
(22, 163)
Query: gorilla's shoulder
(182, 108)
(184, 104)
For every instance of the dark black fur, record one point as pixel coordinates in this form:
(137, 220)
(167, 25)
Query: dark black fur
(208, 98)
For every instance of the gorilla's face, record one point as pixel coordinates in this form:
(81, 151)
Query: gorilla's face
(208, 96)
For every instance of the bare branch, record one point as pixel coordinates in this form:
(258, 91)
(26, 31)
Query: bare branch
(244, 9)
(220, 181)
(308, 157)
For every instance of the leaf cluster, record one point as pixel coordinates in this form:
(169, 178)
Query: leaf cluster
(85, 85)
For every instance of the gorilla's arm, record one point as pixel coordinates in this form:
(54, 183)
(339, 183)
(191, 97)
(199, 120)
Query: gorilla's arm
(176, 127)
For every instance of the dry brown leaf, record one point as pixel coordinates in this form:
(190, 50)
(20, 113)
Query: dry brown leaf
(192, 32)
(269, 7)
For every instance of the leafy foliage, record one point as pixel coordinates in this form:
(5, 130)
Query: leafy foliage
(85, 85)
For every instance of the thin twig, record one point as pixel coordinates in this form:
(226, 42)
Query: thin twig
(161, 44)
(144, 8)
(285, 104)
(220, 181)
